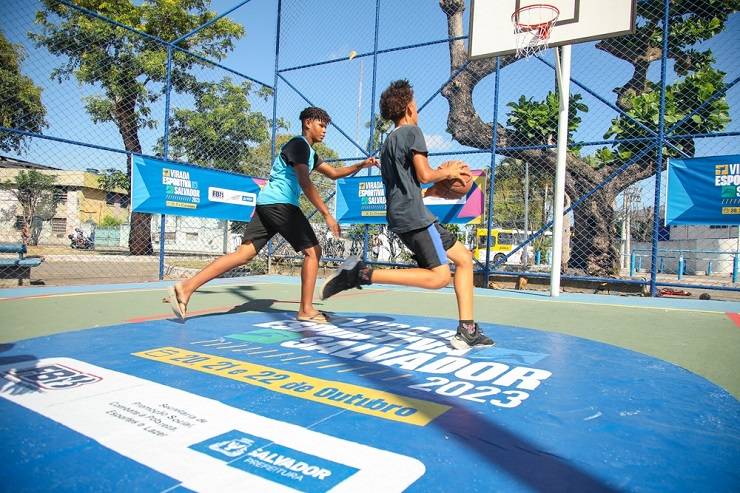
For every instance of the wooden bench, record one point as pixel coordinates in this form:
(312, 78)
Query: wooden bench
(17, 268)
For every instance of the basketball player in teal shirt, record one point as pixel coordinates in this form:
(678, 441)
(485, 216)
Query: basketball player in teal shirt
(277, 211)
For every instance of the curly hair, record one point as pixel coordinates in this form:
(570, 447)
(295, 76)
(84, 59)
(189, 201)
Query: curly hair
(394, 100)
(314, 113)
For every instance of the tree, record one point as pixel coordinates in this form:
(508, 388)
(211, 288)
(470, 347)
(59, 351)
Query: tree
(113, 180)
(222, 130)
(130, 68)
(21, 106)
(35, 193)
(691, 22)
(510, 191)
(383, 127)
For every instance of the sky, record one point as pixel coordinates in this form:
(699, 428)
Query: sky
(322, 30)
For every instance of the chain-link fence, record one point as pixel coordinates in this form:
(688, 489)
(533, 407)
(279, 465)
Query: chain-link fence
(669, 90)
(88, 85)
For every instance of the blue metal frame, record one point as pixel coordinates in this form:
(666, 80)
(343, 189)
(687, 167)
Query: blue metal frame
(658, 139)
(492, 173)
(370, 150)
(659, 153)
(165, 153)
(212, 21)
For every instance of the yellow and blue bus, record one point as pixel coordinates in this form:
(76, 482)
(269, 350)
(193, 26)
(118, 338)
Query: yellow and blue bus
(503, 241)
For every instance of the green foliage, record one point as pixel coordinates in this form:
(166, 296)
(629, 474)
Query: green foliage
(682, 98)
(536, 122)
(382, 129)
(690, 22)
(110, 222)
(113, 180)
(456, 230)
(21, 99)
(130, 68)
(510, 192)
(35, 193)
(222, 130)
(30, 184)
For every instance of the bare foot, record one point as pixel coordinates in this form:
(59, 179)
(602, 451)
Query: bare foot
(178, 300)
(312, 316)
(183, 296)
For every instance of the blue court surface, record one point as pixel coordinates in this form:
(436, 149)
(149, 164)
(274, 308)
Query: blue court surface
(260, 402)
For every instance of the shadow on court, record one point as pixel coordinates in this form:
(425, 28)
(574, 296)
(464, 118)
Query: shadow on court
(538, 469)
(11, 385)
(519, 457)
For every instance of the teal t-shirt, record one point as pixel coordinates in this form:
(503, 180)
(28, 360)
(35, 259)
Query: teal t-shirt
(282, 186)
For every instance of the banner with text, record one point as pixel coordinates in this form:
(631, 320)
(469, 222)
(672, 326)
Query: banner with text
(163, 187)
(704, 191)
(361, 200)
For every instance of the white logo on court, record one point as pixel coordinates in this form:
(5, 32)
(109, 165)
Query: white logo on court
(232, 448)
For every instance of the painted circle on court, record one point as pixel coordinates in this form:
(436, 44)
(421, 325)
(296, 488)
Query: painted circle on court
(269, 402)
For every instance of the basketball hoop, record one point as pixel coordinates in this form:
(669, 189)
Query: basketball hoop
(532, 27)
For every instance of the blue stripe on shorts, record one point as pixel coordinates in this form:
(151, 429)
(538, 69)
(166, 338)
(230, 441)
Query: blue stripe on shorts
(437, 241)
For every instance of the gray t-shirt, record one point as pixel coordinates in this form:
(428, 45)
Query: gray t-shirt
(405, 207)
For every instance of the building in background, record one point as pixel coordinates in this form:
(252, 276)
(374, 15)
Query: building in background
(80, 203)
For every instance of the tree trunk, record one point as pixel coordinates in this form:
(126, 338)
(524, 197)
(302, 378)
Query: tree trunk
(566, 250)
(140, 236)
(592, 249)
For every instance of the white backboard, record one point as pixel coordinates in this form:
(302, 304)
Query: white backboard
(492, 32)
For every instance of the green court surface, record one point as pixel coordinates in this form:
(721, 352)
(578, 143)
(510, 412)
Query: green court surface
(701, 336)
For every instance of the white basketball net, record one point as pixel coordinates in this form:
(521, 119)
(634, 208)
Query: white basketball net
(532, 27)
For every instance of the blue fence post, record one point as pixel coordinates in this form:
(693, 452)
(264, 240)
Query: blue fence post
(275, 81)
(639, 263)
(371, 141)
(537, 257)
(709, 268)
(735, 264)
(681, 267)
(659, 157)
(492, 175)
(165, 152)
(632, 263)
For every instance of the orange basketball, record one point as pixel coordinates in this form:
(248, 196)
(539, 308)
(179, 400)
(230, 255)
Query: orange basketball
(452, 189)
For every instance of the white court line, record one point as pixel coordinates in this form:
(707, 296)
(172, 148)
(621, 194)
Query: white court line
(220, 339)
(312, 362)
(560, 300)
(278, 355)
(240, 345)
(353, 369)
(371, 373)
(117, 291)
(242, 350)
(397, 377)
(297, 357)
(369, 291)
(333, 366)
(261, 352)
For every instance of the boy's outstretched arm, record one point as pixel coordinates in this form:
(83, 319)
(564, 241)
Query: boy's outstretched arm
(426, 174)
(336, 173)
(313, 195)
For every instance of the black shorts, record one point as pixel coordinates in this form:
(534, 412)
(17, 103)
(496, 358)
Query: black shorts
(429, 245)
(286, 219)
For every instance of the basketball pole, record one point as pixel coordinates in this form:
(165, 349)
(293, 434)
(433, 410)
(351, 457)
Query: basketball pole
(562, 71)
